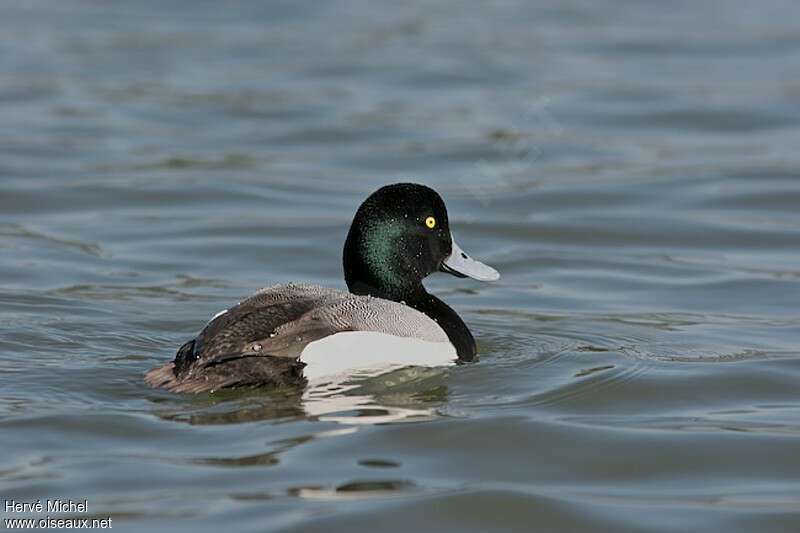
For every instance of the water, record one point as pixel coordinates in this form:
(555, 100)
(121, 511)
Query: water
(630, 167)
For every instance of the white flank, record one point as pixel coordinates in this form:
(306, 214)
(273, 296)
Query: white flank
(351, 351)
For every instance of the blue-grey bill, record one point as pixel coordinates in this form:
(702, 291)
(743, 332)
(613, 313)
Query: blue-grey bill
(461, 264)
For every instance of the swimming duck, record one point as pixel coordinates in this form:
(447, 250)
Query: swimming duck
(289, 333)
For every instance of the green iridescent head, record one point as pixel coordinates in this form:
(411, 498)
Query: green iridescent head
(399, 236)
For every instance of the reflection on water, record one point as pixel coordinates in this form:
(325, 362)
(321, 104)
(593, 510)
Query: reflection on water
(356, 490)
(404, 395)
(368, 397)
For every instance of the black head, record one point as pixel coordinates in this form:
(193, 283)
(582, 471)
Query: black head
(400, 235)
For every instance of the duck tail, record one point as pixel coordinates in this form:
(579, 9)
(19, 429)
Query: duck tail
(166, 377)
(162, 377)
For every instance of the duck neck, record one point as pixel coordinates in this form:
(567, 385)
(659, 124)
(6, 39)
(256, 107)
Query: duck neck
(441, 313)
(421, 300)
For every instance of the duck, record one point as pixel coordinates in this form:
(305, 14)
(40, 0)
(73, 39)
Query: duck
(289, 333)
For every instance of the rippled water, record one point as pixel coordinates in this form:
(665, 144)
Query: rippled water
(630, 167)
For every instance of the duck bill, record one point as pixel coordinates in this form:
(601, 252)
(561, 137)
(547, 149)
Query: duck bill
(461, 265)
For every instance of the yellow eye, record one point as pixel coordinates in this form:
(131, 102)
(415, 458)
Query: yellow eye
(430, 222)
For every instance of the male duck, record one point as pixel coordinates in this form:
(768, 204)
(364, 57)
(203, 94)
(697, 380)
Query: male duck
(288, 333)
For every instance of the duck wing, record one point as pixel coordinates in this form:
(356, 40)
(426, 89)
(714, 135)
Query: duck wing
(240, 346)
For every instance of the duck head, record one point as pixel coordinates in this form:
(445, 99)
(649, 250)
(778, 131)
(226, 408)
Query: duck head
(399, 236)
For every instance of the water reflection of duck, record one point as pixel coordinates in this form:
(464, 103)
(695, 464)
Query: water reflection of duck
(409, 394)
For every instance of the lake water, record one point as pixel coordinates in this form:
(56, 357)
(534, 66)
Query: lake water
(631, 168)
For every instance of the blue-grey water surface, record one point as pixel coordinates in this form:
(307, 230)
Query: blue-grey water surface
(631, 168)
